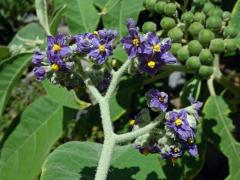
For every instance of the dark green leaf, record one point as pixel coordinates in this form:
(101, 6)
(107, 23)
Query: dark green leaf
(235, 15)
(4, 52)
(217, 109)
(26, 148)
(64, 97)
(78, 160)
(56, 20)
(120, 54)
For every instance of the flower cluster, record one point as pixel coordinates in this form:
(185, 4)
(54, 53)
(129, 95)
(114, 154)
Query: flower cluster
(178, 134)
(150, 51)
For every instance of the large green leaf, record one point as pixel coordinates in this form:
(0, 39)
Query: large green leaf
(78, 160)
(56, 20)
(217, 109)
(64, 97)
(81, 15)
(26, 148)
(9, 74)
(41, 10)
(235, 15)
(116, 12)
(4, 52)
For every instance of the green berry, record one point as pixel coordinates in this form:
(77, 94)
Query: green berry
(193, 63)
(230, 31)
(170, 9)
(159, 8)
(195, 28)
(199, 17)
(175, 48)
(215, 12)
(183, 54)
(205, 36)
(207, 7)
(206, 57)
(175, 34)
(167, 23)
(226, 15)
(187, 17)
(149, 4)
(149, 27)
(205, 71)
(199, 2)
(230, 45)
(194, 47)
(214, 23)
(217, 46)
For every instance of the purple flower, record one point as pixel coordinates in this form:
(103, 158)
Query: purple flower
(197, 104)
(156, 100)
(173, 153)
(134, 42)
(57, 48)
(83, 42)
(131, 23)
(149, 64)
(37, 58)
(177, 121)
(100, 50)
(107, 35)
(40, 73)
(168, 58)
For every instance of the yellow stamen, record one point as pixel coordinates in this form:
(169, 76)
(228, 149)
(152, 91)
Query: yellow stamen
(101, 48)
(145, 151)
(161, 98)
(135, 42)
(175, 150)
(55, 67)
(56, 48)
(178, 122)
(132, 122)
(156, 48)
(95, 32)
(151, 64)
(190, 140)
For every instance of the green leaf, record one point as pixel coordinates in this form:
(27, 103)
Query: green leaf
(193, 86)
(217, 109)
(81, 15)
(116, 12)
(10, 73)
(56, 20)
(64, 97)
(27, 147)
(120, 54)
(116, 110)
(78, 160)
(4, 52)
(41, 10)
(31, 32)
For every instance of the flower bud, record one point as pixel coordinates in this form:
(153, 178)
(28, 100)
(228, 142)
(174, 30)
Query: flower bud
(206, 57)
(214, 23)
(167, 23)
(195, 28)
(149, 4)
(193, 63)
(159, 7)
(194, 47)
(199, 17)
(226, 15)
(170, 9)
(175, 47)
(217, 46)
(207, 7)
(175, 34)
(183, 54)
(205, 36)
(205, 71)
(230, 45)
(187, 17)
(230, 31)
(149, 27)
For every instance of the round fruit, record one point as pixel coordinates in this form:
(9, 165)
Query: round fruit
(205, 36)
(194, 47)
(217, 46)
(149, 4)
(207, 7)
(226, 15)
(149, 27)
(206, 57)
(199, 17)
(167, 23)
(205, 71)
(175, 48)
(187, 17)
(230, 31)
(159, 8)
(195, 28)
(193, 63)
(170, 9)
(230, 45)
(183, 54)
(214, 23)
(175, 34)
